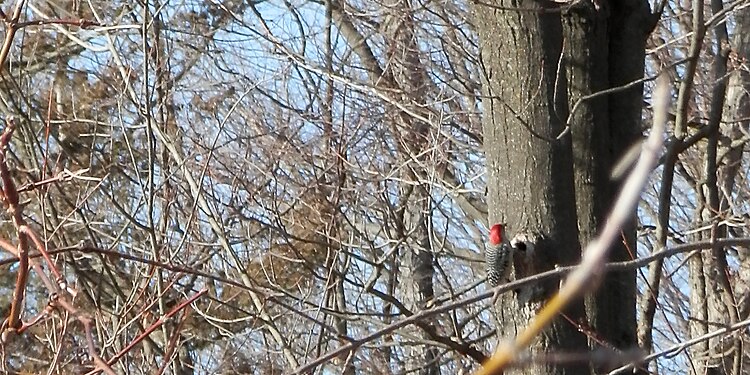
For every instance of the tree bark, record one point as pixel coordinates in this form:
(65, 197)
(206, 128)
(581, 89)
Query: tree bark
(538, 65)
(724, 300)
(529, 173)
(606, 52)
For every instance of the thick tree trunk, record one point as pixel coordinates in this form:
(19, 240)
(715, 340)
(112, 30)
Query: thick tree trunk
(606, 52)
(537, 67)
(529, 173)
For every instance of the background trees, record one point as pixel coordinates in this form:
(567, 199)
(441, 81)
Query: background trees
(318, 169)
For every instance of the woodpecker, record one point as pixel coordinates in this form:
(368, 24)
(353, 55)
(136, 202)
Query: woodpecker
(498, 255)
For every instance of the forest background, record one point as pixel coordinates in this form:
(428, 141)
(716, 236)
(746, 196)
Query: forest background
(274, 187)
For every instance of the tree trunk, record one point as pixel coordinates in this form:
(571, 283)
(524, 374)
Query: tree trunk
(735, 125)
(722, 302)
(606, 52)
(537, 67)
(412, 135)
(529, 173)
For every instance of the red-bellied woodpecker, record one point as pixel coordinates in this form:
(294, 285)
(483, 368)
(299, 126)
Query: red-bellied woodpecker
(498, 255)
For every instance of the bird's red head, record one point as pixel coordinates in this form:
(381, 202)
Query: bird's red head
(496, 234)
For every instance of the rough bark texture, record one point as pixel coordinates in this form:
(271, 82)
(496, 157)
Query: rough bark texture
(530, 178)
(541, 185)
(735, 125)
(606, 52)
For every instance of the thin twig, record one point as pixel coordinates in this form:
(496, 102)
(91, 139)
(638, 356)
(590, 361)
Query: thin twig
(10, 32)
(158, 323)
(677, 348)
